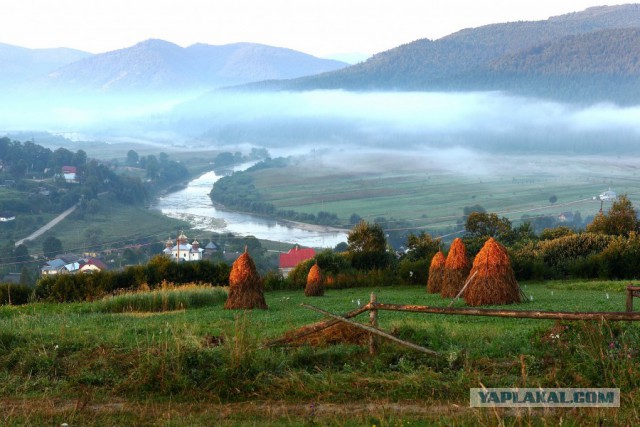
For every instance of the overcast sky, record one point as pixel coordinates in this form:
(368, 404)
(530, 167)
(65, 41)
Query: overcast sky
(319, 27)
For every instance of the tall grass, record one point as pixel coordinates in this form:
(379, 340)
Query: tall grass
(168, 298)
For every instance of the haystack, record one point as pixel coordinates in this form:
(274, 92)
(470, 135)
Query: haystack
(456, 269)
(436, 272)
(315, 282)
(245, 285)
(494, 282)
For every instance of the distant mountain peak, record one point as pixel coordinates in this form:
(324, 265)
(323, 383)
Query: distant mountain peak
(159, 65)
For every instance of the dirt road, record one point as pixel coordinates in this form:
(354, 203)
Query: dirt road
(48, 225)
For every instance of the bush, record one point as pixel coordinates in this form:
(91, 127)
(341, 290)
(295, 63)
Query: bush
(414, 272)
(18, 294)
(560, 255)
(620, 259)
(527, 262)
(83, 287)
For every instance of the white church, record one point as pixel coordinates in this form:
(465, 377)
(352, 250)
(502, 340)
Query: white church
(182, 250)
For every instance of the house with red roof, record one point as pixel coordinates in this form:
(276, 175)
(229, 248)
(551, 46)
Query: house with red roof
(93, 265)
(69, 173)
(295, 256)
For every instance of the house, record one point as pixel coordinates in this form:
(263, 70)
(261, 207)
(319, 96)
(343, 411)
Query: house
(182, 250)
(289, 260)
(59, 266)
(92, 265)
(69, 173)
(210, 249)
(53, 266)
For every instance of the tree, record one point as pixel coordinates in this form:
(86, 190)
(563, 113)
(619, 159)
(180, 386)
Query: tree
(556, 233)
(621, 219)
(153, 167)
(80, 158)
(422, 246)
(368, 246)
(341, 247)
(51, 247)
(132, 158)
(468, 210)
(485, 225)
(553, 199)
(21, 254)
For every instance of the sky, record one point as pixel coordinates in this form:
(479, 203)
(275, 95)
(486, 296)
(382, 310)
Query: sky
(323, 28)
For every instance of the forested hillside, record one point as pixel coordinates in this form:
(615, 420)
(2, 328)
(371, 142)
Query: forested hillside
(538, 57)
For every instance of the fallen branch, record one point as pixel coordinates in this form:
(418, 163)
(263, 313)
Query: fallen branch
(371, 330)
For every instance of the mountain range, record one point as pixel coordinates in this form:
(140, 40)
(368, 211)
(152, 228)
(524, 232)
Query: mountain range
(154, 65)
(592, 55)
(584, 56)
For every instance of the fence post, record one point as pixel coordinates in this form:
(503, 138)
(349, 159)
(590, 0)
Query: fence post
(373, 321)
(629, 299)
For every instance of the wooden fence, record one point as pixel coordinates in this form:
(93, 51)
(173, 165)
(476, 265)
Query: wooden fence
(374, 307)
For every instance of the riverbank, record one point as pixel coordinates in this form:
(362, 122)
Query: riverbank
(194, 205)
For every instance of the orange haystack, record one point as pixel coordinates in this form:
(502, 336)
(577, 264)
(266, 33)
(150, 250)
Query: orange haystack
(315, 282)
(436, 272)
(245, 285)
(494, 282)
(456, 269)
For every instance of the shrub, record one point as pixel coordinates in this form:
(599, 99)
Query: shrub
(620, 260)
(559, 254)
(18, 294)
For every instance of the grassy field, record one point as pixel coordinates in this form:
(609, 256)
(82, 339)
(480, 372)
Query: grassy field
(119, 223)
(121, 362)
(433, 197)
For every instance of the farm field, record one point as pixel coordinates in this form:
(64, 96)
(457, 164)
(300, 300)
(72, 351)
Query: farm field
(93, 364)
(432, 195)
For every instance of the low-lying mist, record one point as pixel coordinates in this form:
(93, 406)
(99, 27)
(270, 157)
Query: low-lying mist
(450, 125)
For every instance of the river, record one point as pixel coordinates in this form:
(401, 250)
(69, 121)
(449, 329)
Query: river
(193, 205)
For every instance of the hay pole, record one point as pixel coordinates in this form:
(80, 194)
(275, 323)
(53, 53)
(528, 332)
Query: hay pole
(371, 329)
(316, 328)
(463, 288)
(518, 314)
(373, 321)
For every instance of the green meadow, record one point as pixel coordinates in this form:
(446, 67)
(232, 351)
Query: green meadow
(176, 357)
(433, 197)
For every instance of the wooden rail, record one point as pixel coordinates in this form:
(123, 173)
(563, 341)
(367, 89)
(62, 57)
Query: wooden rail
(519, 314)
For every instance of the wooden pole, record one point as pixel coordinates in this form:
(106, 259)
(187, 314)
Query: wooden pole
(372, 330)
(373, 321)
(519, 314)
(315, 328)
(463, 288)
(629, 300)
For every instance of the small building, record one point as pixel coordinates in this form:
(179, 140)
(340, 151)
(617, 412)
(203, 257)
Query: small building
(289, 260)
(69, 173)
(53, 266)
(182, 250)
(92, 265)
